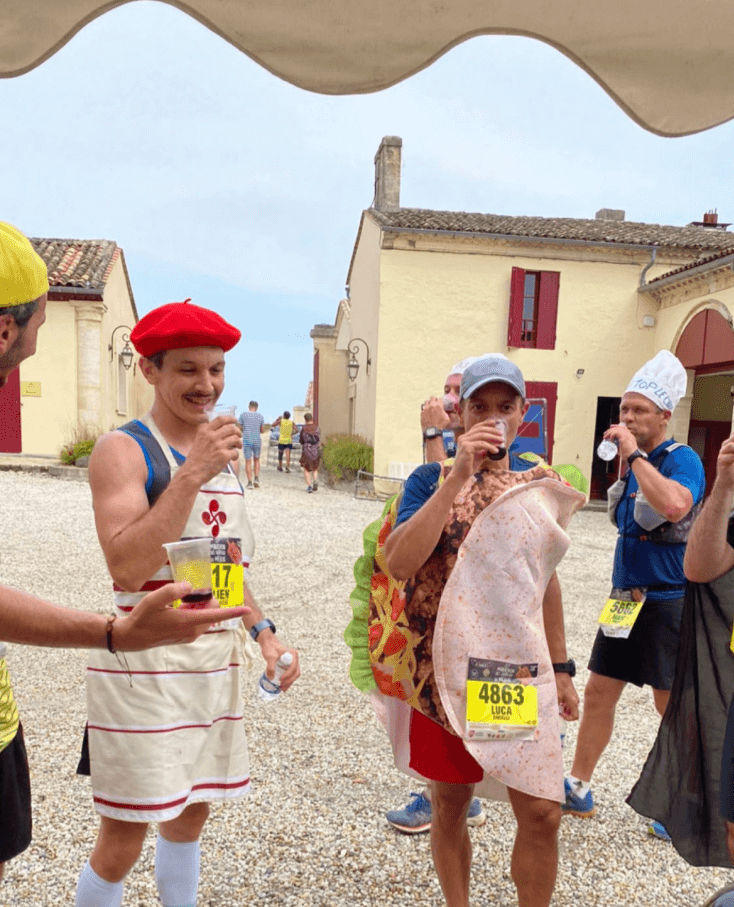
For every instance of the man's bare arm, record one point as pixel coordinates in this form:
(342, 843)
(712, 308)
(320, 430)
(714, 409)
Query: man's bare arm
(130, 532)
(708, 554)
(410, 545)
(668, 497)
(33, 621)
(555, 635)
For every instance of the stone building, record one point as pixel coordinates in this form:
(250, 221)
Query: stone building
(578, 304)
(83, 377)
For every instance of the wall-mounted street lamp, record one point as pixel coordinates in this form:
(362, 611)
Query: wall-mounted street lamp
(126, 353)
(353, 362)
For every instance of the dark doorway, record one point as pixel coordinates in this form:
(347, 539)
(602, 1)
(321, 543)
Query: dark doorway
(603, 474)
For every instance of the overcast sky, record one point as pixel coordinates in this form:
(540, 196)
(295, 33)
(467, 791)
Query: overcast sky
(223, 183)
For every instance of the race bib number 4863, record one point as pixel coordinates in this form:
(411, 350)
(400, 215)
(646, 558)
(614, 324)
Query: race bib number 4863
(501, 700)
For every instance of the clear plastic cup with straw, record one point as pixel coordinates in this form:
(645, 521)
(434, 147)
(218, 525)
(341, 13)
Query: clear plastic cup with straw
(190, 561)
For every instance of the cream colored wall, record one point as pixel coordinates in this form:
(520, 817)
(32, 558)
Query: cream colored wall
(333, 407)
(437, 307)
(51, 420)
(46, 420)
(119, 312)
(366, 285)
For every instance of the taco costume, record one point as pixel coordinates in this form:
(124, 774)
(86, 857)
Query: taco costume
(476, 606)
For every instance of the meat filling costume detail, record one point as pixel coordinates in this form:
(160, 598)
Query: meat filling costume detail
(172, 733)
(479, 596)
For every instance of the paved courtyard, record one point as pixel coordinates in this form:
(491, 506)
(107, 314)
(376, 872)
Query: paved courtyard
(313, 830)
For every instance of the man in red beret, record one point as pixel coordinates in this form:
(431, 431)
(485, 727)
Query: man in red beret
(167, 736)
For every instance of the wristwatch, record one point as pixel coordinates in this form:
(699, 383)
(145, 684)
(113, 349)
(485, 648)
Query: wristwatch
(260, 626)
(432, 433)
(565, 667)
(636, 455)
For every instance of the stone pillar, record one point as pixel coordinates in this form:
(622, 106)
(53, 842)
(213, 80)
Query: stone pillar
(89, 364)
(387, 174)
(681, 418)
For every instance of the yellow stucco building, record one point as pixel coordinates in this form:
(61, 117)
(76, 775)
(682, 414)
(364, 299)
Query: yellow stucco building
(578, 304)
(82, 378)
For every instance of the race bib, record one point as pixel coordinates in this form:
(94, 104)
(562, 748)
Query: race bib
(501, 700)
(228, 576)
(620, 612)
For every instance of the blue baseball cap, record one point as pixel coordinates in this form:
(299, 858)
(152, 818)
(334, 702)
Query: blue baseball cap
(491, 369)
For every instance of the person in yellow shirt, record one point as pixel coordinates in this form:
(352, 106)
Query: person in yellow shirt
(285, 440)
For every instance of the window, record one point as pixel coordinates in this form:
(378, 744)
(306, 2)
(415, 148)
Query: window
(533, 309)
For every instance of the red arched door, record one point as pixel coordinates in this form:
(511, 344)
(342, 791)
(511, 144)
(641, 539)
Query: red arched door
(707, 346)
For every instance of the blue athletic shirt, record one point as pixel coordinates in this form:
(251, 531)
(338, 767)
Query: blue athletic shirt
(644, 563)
(423, 482)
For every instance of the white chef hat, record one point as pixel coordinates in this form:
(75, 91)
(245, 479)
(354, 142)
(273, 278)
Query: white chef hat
(662, 380)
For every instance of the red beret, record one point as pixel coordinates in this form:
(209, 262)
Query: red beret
(178, 325)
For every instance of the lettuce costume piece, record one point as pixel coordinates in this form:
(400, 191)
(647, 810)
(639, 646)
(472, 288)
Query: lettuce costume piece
(356, 633)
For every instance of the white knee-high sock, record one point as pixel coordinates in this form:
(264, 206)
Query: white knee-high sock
(93, 891)
(177, 872)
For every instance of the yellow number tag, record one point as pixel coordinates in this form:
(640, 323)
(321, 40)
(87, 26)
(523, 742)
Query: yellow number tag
(496, 703)
(228, 584)
(616, 613)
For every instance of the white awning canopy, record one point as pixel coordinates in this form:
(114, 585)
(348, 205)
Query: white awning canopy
(668, 63)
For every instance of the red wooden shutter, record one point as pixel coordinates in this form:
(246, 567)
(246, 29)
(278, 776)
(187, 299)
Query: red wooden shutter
(514, 322)
(547, 310)
(547, 390)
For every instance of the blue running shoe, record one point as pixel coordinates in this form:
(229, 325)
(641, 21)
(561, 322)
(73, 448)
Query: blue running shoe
(476, 815)
(415, 817)
(723, 898)
(658, 831)
(583, 807)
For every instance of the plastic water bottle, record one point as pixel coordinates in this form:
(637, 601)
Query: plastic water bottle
(268, 689)
(607, 450)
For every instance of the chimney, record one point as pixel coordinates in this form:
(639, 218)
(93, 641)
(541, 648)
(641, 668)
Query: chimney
(609, 214)
(387, 174)
(710, 220)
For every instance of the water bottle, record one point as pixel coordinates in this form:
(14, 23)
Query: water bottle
(607, 449)
(268, 689)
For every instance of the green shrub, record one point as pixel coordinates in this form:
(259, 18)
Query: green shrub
(70, 453)
(343, 455)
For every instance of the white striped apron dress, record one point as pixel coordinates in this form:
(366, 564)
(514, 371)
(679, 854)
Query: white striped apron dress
(176, 736)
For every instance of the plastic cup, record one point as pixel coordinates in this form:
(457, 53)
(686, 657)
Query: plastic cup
(190, 561)
(221, 410)
(502, 449)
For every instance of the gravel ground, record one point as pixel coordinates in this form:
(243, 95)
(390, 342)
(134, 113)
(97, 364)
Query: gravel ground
(313, 830)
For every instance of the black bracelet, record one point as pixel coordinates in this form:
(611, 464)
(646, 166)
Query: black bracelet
(108, 630)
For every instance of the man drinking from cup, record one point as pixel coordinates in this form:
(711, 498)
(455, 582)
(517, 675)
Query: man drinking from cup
(652, 506)
(166, 735)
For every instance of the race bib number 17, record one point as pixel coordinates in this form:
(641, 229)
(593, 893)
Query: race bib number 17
(228, 577)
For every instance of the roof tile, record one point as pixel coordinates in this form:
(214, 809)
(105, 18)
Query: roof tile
(78, 262)
(592, 230)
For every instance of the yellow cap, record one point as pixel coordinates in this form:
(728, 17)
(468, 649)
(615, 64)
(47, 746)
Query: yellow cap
(23, 274)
